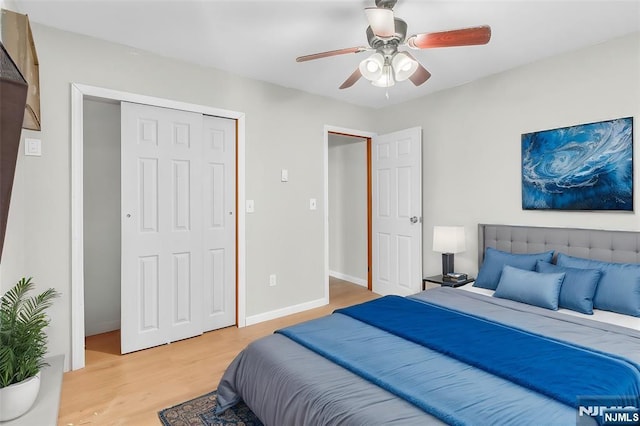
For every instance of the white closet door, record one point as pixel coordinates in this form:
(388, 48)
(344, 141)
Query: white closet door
(396, 163)
(162, 245)
(219, 222)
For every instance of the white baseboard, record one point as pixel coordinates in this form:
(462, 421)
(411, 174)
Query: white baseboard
(289, 310)
(349, 278)
(101, 327)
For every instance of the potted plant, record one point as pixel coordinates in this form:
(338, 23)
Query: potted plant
(23, 344)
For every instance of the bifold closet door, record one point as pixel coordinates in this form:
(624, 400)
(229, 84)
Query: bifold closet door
(162, 226)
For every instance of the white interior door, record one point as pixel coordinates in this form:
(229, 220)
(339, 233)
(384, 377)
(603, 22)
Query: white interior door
(396, 175)
(219, 223)
(162, 240)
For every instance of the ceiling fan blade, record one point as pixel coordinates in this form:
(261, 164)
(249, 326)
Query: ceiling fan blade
(381, 21)
(330, 53)
(352, 79)
(463, 37)
(420, 75)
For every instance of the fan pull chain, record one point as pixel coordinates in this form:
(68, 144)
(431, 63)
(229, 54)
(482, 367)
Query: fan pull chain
(387, 94)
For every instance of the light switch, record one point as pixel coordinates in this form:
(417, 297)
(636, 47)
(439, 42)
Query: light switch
(284, 175)
(313, 204)
(32, 147)
(250, 207)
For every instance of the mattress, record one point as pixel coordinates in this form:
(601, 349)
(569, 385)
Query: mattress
(285, 383)
(598, 315)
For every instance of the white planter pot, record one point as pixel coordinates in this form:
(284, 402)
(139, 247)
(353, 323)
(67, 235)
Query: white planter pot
(17, 399)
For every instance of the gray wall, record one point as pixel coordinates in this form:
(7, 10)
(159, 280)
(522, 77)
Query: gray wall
(348, 208)
(101, 217)
(471, 139)
(284, 129)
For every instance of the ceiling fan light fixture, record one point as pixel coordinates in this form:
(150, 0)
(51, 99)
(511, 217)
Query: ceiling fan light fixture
(403, 66)
(372, 67)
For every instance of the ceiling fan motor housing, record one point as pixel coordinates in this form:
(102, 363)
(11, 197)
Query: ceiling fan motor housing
(393, 41)
(388, 4)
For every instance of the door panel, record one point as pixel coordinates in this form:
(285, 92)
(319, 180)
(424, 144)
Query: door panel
(219, 223)
(149, 290)
(162, 223)
(397, 212)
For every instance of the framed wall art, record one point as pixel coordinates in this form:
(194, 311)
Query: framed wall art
(583, 167)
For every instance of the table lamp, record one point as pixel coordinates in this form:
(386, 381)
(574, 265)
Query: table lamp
(448, 240)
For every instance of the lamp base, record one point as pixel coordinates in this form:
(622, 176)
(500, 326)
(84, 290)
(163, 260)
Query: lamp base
(447, 263)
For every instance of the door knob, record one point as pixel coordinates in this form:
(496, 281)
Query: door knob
(414, 219)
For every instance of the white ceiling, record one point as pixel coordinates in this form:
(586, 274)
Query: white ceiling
(261, 39)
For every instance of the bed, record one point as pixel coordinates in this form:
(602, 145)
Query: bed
(464, 356)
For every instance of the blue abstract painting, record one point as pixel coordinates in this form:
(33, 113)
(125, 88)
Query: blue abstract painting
(584, 167)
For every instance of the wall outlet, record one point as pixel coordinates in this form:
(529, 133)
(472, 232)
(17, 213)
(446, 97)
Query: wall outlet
(272, 280)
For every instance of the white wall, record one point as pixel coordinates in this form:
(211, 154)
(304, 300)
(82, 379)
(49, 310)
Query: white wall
(284, 129)
(471, 139)
(348, 208)
(101, 217)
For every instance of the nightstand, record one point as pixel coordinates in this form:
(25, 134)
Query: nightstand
(437, 279)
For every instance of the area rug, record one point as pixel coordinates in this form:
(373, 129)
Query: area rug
(201, 411)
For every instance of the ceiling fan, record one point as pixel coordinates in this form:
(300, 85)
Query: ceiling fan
(386, 34)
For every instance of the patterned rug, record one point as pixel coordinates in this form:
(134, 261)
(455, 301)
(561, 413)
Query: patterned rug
(201, 411)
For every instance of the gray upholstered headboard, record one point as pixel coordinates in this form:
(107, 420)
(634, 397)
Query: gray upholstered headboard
(609, 246)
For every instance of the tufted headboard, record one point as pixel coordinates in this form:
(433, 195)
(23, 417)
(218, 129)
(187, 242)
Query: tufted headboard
(609, 246)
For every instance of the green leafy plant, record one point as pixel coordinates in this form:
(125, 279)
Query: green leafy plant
(23, 342)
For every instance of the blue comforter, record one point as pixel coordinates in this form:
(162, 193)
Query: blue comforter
(559, 370)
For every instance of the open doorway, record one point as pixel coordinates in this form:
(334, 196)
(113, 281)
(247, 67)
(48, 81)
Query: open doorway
(395, 209)
(102, 246)
(348, 212)
(348, 208)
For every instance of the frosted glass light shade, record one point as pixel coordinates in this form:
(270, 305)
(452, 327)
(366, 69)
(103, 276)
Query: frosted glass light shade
(372, 67)
(403, 66)
(381, 21)
(449, 239)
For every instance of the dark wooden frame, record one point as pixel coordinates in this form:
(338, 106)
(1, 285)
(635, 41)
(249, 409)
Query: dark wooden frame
(13, 88)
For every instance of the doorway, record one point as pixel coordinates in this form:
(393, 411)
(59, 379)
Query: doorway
(335, 133)
(349, 178)
(101, 157)
(82, 93)
(395, 190)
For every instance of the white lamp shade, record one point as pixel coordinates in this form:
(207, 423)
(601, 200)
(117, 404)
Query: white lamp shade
(381, 21)
(449, 239)
(403, 66)
(372, 67)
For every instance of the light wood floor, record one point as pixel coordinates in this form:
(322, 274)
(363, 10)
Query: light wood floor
(130, 389)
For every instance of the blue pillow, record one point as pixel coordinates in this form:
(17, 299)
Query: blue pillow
(495, 260)
(530, 287)
(619, 287)
(578, 287)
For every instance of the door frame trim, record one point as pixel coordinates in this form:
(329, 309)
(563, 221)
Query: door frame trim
(78, 94)
(348, 132)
